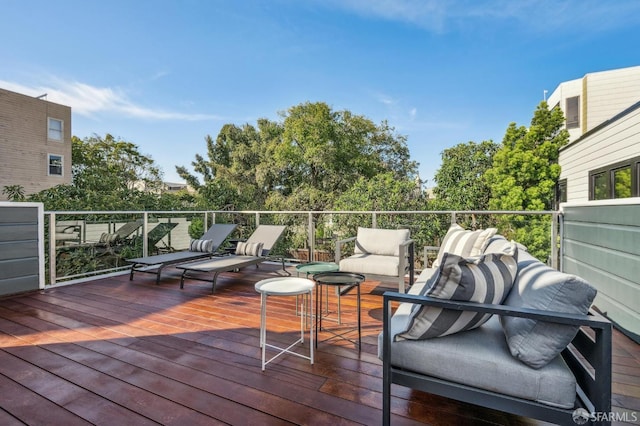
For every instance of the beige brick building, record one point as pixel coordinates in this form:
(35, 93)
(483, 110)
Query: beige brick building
(35, 142)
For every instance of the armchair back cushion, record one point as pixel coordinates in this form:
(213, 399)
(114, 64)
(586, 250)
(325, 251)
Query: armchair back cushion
(538, 286)
(384, 242)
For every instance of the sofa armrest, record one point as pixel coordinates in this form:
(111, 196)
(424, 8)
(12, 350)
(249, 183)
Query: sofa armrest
(339, 245)
(594, 346)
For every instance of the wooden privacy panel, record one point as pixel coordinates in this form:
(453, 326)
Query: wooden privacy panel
(21, 247)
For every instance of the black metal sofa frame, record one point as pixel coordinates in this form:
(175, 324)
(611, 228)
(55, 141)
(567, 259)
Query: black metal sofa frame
(592, 344)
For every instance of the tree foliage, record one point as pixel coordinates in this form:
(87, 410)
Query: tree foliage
(109, 174)
(303, 162)
(525, 173)
(460, 183)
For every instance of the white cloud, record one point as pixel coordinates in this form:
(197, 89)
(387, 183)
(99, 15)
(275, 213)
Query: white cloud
(88, 100)
(537, 15)
(412, 113)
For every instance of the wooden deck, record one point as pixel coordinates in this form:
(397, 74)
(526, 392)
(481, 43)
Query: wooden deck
(116, 352)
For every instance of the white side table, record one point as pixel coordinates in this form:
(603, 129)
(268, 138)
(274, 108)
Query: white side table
(286, 286)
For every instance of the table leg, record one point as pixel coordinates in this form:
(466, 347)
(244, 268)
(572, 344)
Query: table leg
(359, 321)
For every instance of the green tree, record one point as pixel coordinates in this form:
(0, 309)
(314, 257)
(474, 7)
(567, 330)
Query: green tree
(460, 183)
(106, 174)
(303, 163)
(105, 164)
(232, 173)
(14, 192)
(524, 176)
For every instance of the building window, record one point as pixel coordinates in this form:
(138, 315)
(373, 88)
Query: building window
(561, 192)
(600, 189)
(55, 130)
(573, 112)
(620, 180)
(55, 165)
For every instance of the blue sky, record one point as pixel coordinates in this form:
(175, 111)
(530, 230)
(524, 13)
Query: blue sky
(164, 74)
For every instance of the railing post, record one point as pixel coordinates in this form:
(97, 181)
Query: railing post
(453, 218)
(374, 220)
(257, 219)
(145, 231)
(52, 248)
(311, 237)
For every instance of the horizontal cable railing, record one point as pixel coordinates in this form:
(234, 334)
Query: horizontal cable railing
(83, 243)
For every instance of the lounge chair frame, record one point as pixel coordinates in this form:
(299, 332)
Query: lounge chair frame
(267, 234)
(156, 263)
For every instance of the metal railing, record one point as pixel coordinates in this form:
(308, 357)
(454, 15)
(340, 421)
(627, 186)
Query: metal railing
(312, 232)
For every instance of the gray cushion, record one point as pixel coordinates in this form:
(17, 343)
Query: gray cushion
(205, 246)
(483, 279)
(384, 242)
(371, 264)
(480, 358)
(538, 286)
(463, 242)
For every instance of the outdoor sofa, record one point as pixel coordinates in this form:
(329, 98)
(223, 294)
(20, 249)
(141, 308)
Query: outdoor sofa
(542, 353)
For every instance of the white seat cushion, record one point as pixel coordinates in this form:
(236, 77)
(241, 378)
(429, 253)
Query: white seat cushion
(371, 264)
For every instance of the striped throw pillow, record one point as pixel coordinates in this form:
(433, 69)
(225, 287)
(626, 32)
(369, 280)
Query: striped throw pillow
(249, 249)
(482, 279)
(201, 245)
(464, 242)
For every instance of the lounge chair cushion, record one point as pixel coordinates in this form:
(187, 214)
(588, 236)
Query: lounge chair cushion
(483, 279)
(384, 242)
(464, 242)
(480, 358)
(205, 246)
(371, 264)
(249, 249)
(106, 238)
(538, 286)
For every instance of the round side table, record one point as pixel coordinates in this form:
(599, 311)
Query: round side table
(337, 279)
(284, 286)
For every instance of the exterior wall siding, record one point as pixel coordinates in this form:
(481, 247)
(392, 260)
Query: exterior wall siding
(600, 244)
(24, 143)
(21, 247)
(614, 143)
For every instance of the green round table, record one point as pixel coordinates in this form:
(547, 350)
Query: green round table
(312, 268)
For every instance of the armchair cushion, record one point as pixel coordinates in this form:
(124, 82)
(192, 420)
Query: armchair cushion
(464, 242)
(371, 264)
(482, 279)
(538, 286)
(384, 242)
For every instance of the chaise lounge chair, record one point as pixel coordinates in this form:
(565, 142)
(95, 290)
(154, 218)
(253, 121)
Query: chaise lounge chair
(253, 252)
(217, 233)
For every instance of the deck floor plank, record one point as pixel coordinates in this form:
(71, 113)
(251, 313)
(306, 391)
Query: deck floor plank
(114, 351)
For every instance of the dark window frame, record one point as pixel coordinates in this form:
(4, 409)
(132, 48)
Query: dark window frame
(561, 192)
(608, 172)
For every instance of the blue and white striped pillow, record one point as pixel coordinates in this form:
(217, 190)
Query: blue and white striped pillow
(482, 279)
(201, 245)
